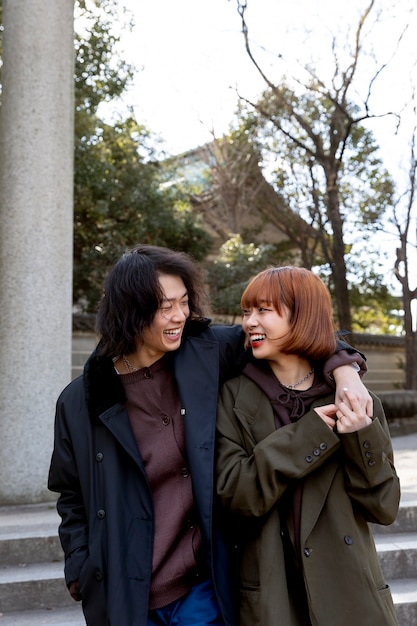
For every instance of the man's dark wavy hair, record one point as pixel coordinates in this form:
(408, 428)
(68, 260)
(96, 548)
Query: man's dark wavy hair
(132, 295)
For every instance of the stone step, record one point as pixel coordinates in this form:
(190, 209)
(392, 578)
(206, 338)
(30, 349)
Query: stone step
(68, 616)
(32, 589)
(398, 555)
(404, 593)
(29, 534)
(33, 586)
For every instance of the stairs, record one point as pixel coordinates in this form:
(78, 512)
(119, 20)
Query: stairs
(32, 589)
(397, 549)
(33, 592)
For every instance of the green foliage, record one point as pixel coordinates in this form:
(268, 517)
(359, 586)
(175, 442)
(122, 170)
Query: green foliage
(119, 198)
(374, 308)
(118, 203)
(324, 164)
(236, 264)
(305, 152)
(100, 74)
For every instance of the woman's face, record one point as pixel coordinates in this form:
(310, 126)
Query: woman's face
(265, 329)
(165, 332)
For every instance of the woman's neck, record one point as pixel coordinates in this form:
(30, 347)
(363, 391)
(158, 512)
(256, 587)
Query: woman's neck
(293, 371)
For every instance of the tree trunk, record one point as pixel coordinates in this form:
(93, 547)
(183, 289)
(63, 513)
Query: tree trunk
(338, 267)
(410, 343)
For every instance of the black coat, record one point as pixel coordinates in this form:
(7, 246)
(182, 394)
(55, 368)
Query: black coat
(105, 500)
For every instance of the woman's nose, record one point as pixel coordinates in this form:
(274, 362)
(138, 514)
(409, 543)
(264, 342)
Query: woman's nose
(251, 320)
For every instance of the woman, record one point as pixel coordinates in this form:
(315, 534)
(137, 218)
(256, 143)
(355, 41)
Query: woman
(300, 474)
(133, 458)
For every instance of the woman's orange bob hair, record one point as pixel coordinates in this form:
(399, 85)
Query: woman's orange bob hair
(300, 294)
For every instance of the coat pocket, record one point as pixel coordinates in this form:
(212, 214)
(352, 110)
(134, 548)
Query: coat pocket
(386, 597)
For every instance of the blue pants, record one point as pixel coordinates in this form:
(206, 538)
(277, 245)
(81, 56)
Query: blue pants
(198, 608)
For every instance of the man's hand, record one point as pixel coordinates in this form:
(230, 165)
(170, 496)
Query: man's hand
(348, 380)
(73, 589)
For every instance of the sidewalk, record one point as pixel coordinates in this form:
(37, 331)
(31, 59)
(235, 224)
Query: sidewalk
(405, 460)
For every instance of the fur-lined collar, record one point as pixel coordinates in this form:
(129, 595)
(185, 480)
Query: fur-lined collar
(103, 387)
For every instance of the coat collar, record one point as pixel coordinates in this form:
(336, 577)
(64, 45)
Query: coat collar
(103, 387)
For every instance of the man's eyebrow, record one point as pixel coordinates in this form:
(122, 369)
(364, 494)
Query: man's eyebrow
(171, 299)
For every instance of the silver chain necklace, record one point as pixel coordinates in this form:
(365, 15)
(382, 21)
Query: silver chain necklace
(129, 366)
(301, 380)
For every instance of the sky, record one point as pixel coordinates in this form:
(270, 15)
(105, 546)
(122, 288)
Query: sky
(191, 60)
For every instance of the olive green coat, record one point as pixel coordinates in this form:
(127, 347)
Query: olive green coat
(348, 480)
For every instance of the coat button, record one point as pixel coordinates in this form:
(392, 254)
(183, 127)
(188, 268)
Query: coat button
(371, 462)
(101, 514)
(99, 576)
(348, 540)
(368, 454)
(316, 452)
(99, 456)
(323, 446)
(307, 552)
(309, 458)
(366, 444)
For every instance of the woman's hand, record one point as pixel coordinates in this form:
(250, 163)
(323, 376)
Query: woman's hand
(327, 413)
(351, 416)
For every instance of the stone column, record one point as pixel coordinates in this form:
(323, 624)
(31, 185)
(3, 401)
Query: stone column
(36, 225)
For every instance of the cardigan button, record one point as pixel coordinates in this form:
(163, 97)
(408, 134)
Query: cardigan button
(165, 420)
(185, 472)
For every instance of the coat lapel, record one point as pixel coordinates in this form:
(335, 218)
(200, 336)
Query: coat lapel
(315, 492)
(116, 420)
